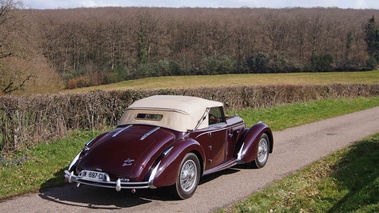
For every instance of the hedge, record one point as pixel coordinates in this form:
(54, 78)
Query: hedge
(28, 120)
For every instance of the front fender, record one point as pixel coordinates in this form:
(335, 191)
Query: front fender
(249, 144)
(168, 166)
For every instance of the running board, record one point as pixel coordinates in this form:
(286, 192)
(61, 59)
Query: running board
(221, 167)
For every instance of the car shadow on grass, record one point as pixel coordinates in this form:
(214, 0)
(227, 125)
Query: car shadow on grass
(358, 174)
(55, 190)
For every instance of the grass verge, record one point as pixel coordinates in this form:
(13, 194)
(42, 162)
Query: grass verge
(40, 167)
(43, 166)
(346, 181)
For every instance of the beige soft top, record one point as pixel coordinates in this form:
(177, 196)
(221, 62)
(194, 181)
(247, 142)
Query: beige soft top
(179, 113)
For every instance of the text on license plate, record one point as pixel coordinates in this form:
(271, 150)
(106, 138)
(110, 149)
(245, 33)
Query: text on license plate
(92, 175)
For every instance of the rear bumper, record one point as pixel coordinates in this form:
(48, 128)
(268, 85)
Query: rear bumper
(118, 185)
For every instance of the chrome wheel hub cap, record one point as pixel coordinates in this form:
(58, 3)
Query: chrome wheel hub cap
(188, 175)
(262, 150)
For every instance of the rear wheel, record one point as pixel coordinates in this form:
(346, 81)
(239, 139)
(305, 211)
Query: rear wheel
(188, 177)
(263, 152)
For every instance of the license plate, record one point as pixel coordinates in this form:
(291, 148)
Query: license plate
(92, 175)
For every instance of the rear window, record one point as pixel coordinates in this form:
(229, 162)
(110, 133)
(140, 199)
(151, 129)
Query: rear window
(151, 117)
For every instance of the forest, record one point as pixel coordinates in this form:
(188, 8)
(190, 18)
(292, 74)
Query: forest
(49, 50)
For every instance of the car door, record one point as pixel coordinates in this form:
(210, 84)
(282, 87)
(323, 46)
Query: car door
(214, 139)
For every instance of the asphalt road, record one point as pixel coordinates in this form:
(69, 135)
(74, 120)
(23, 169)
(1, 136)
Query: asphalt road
(294, 149)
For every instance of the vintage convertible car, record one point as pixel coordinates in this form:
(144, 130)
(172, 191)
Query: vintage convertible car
(168, 140)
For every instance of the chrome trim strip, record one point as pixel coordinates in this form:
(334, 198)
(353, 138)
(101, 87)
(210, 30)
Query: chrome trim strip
(119, 131)
(165, 153)
(149, 133)
(89, 142)
(74, 161)
(152, 176)
(239, 156)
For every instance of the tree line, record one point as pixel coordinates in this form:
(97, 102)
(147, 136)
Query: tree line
(23, 66)
(92, 46)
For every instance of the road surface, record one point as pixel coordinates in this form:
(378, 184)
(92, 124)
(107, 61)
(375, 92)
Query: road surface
(294, 149)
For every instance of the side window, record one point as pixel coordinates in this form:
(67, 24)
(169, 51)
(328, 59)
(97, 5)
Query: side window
(216, 115)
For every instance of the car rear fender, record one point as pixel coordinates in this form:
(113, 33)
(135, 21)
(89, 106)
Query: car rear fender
(249, 143)
(168, 166)
(89, 144)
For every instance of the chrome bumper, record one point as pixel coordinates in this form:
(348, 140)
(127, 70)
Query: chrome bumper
(118, 185)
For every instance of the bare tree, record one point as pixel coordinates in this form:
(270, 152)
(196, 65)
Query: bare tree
(11, 78)
(137, 42)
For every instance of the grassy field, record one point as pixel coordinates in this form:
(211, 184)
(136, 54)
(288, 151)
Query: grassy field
(43, 166)
(282, 117)
(175, 82)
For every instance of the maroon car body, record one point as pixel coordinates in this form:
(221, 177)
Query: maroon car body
(170, 141)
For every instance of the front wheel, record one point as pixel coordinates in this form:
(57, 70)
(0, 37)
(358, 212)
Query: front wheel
(263, 152)
(188, 177)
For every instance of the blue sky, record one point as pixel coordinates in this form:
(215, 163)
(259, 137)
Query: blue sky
(54, 4)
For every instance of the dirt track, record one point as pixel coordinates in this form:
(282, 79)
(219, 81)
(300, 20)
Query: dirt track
(294, 149)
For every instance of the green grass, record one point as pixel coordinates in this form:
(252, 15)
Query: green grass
(347, 181)
(175, 82)
(43, 166)
(40, 167)
(281, 117)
